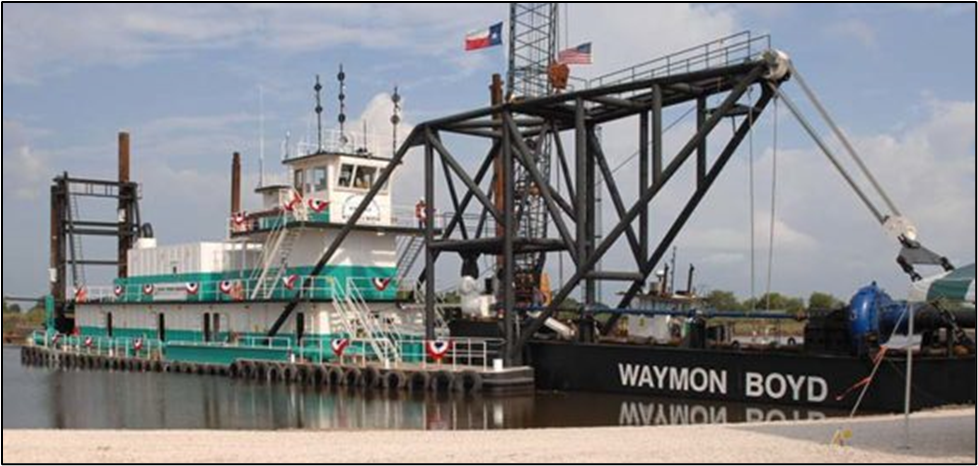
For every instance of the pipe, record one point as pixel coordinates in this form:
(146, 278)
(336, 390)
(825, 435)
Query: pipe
(124, 158)
(236, 184)
(125, 205)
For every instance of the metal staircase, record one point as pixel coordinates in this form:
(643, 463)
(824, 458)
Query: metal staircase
(354, 316)
(409, 251)
(274, 260)
(77, 247)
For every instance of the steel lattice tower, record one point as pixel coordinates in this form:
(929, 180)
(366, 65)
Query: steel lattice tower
(533, 33)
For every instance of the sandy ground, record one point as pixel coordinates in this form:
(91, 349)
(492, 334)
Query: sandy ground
(944, 437)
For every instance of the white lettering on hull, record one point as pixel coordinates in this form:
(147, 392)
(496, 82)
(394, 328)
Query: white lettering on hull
(698, 380)
(779, 387)
(674, 379)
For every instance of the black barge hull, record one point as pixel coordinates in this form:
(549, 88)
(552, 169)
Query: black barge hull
(779, 378)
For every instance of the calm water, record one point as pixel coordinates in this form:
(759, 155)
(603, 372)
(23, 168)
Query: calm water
(45, 399)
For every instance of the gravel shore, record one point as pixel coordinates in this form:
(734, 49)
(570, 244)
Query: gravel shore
(939, 437)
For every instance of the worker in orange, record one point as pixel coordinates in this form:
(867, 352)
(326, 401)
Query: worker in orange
(421, 213)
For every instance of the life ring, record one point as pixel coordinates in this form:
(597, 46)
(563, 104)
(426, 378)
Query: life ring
(372, 378)
(418, 382)
(352, 377)
(395, 381)
(261, 372)
(441, 382)
(306, 375)
(468, 382)
(320, 377)
(290, 374)
(335, 376)
(274, 373)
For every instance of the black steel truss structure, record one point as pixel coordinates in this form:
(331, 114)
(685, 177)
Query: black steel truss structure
(514, 131)
(69, 227)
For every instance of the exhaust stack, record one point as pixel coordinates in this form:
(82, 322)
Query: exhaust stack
(236, 184)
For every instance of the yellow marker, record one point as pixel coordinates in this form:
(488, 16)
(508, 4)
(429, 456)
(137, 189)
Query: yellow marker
(842, 438)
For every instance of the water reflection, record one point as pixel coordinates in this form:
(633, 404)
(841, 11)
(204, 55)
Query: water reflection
(36, 398)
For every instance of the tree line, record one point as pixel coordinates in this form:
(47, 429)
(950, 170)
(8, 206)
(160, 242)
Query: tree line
(728, 301)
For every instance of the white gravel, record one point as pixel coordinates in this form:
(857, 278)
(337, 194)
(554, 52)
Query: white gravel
(940, 437)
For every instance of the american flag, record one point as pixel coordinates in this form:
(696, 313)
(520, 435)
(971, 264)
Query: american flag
(580, 55)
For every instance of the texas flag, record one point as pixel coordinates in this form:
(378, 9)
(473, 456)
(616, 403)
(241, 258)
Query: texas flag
(485, 38)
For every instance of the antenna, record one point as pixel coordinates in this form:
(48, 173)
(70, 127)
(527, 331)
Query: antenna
(341, 77)
(319, 111)
(396, 117)
(261, 136)
(366, 138)
(287, 146)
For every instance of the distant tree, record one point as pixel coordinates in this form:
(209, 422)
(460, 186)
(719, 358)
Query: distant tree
(795, 306)
(779, 302)
(569, 305)
(6, 309)
(35, 317)
(15, 309)
(723, 301)
(823, 301)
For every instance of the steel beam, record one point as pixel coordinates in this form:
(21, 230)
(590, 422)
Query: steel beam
(589, 261)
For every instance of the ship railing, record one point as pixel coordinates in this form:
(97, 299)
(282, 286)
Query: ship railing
(253, 342)
(407, 217)
(112, 347)
(462, 353)
(272, 219)
(287, 287)
(344, 143)
(416, 291)
(727, 51)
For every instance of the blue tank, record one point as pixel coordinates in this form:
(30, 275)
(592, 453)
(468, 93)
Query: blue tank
(872, 312)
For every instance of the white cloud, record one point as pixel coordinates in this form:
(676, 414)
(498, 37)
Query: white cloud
(855, 30)
(39, 41)
(628, 33)
(24, 168)
(928, 169)
(768, 11)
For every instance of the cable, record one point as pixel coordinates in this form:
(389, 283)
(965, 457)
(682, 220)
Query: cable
(634, 156)
(829, 154)
(844, 139)
(774, 203)
(753, 205)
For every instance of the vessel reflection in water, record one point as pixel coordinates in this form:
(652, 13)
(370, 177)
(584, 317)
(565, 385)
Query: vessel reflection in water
(40, 399)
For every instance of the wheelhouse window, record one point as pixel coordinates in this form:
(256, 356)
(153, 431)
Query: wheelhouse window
(365, 178)
(346, 176)
(319, 180)
(358, 177)
(300, 180)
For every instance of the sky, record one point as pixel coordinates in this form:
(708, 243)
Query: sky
(186, 79)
